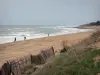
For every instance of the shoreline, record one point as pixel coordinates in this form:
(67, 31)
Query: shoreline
(18, 49)
(50, 35)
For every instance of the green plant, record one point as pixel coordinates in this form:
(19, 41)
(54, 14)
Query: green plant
(65, 47)
(63, 65)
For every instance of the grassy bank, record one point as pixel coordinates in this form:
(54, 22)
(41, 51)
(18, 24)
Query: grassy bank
(64, 65)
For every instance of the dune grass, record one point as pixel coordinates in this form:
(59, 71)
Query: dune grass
(63, 65)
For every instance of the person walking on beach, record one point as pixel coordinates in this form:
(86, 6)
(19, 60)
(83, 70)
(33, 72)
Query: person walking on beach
(15, 39)
(24, 38)
(48, 34)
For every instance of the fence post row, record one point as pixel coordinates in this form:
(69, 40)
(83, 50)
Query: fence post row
(14, 66)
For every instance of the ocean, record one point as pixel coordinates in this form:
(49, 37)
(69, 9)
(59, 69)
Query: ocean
(9, 32)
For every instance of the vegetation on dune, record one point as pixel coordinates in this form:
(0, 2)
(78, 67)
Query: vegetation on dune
(63, 65)
(86, 66)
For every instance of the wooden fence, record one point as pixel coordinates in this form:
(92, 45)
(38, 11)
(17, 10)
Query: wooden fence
(14, 67)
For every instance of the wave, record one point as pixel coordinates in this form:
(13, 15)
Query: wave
(37, 34)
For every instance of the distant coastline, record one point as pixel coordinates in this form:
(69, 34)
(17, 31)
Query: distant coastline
(92, 25)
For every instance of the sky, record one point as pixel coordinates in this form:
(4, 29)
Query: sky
(49, 12)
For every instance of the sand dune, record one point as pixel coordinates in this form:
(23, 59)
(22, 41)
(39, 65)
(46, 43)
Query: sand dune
(21, 48)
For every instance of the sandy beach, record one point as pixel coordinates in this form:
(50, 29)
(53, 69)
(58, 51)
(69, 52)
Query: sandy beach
(34, 46)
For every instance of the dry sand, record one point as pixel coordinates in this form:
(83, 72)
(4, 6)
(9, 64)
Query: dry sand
(21, 48)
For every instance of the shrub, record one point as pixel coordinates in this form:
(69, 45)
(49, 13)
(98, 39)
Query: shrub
(65, 47)
(95, 36)
(66, 66)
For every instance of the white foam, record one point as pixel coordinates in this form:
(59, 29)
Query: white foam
(70, 31)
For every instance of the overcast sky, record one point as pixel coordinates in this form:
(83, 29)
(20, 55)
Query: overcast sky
(48, 12)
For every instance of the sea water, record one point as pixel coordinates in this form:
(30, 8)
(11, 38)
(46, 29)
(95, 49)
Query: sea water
(9, 32)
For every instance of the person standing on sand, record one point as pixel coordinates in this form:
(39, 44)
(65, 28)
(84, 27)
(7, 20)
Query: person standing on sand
(24, 38)
(15, 39)
(48, 34)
